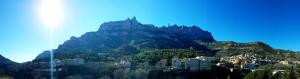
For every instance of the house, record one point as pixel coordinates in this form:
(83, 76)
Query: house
(296, 62)
(178, 63)
(284, 62)
(200, 63)
(125, 63)
(193, 64)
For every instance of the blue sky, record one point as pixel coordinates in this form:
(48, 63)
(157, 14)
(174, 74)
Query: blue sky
(275, 22)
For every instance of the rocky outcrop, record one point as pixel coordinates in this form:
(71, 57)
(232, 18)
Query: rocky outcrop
(43, 54)
(116, 34)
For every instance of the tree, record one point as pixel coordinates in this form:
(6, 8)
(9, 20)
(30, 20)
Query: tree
(121, 74)
(140, 74)
(259, 74)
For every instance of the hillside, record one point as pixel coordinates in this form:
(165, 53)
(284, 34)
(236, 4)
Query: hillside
(132, 50)
(230, 48)
(6, 65)
(5, 61)
(129, 36)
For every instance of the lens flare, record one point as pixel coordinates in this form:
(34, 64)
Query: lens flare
(51, 12)
(51, 15)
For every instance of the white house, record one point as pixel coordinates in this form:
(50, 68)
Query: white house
(193, 64)
(125, 63)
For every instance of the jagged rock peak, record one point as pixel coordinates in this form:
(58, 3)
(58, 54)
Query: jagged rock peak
(115, 34)
(131, 25)
(128, 24)
(133, 19)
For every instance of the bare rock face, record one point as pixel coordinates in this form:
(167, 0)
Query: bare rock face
(126, 25)
(117, 34)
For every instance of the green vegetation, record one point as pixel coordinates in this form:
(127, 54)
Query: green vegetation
(267, 72)
(155, 55)
(259, 74)
(276, 66)
(229, 48)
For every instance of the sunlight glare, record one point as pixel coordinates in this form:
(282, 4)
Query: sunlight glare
(51, 12)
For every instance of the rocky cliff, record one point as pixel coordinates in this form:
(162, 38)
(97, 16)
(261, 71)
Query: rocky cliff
(117, 34)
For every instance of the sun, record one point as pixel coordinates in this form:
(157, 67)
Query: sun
(51, 12)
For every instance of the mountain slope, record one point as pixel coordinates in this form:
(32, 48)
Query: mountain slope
(116, 35)
(44, 54)
(5, 61)
(230, 48)
(130, 36)
(7, 66)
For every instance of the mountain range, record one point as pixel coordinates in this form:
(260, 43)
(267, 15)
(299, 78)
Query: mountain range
(144, 48)
(130, 36)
